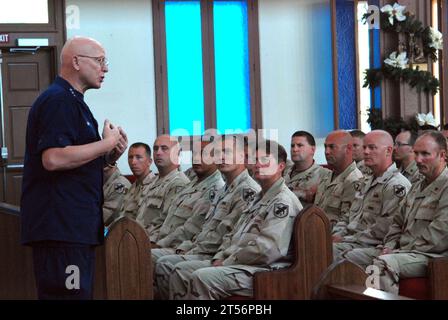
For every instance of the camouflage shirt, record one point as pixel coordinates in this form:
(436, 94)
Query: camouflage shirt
(263, 233)
(114, 190)
(422, 224)
(222, 216)
(134, 198)
(376, 202)
(411, 173)
(304, 184)
(335, 194)
(158, 198)
(195, 198)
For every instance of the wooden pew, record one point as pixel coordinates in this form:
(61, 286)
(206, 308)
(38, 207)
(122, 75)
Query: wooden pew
(312, 247)
(438, 278)
(16, 261)
(124, 261)
(345, 280)
(128, 261)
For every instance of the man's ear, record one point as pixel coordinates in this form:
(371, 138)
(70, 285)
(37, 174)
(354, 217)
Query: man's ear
(443, 154)
(389, 150)
(75, 63)
(282, 166)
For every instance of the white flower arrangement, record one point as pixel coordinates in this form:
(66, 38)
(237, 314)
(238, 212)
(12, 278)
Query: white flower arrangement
(397, 61)
(436, 38)
(426, 119)
(396, 11)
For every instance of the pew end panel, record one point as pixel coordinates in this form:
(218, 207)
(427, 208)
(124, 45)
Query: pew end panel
(345, 280)
(438, 278)
(128, 261)
(312, 248)
(16, 261)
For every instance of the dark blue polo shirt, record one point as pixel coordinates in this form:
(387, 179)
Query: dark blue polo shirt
(61, 205)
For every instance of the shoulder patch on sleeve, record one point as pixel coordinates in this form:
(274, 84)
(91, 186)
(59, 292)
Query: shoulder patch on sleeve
(248, 194)
(399, 190)
(281, 210)
(357, 185)
(120, 188)
(212, 195)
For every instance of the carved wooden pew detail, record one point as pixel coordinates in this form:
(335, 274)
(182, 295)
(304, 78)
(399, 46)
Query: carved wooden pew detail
(312, 247)
(345, 280)
(16, 261)
(128, 261)
(123, 264)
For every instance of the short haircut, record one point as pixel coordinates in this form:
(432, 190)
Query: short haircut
(413, 137)
(357, 134)
(309, 137)
(238, 141)
(142, 145)
(437, 136)
(273, 148)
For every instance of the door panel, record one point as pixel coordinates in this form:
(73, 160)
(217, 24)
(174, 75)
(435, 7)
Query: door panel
(24, 76)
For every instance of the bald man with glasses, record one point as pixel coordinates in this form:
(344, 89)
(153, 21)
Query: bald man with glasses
(62, 194)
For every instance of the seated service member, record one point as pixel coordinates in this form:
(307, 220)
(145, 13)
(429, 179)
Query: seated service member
(261, 238)
(164, 188)
(420, 230)
(404, 155)
(195, 198)
(139, 160)
(336, 192)
(424, 230)
(115, 188)
(229, 204)
(378, 198)
(358, 151)
(303, 178)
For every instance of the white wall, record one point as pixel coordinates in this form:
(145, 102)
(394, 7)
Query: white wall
(295, 53)
(296, 68)
(127, 97)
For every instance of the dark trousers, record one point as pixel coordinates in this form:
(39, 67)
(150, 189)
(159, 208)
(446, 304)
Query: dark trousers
(64, 271)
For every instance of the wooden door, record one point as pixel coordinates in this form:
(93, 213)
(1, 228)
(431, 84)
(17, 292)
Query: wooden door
(25, 73)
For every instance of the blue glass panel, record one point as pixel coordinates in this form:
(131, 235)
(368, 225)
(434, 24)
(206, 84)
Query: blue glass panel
(184, 60)
(322, 79)
(376, 63)
(232, 73)
(345, 26)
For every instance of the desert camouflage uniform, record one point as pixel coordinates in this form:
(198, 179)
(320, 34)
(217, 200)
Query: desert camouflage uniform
(336, 194)
(411, 173)
(134, 198)
(158, 198)
(304, 184)
(190, 173)
(365, 170)
(195, 197)
(229, 204)
(114, 190)
(195, 200)
(419, 232)
(261, 238)
(372, 211)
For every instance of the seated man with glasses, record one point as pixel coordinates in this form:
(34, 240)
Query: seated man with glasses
(404, 157)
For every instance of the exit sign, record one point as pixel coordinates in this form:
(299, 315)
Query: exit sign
(4, 38)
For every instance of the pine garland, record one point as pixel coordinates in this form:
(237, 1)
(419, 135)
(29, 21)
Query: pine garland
(418, 79)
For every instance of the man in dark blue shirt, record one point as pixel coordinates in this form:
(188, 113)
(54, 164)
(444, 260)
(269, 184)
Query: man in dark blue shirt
(61, 205)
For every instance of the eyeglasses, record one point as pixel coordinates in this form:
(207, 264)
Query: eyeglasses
(399, 144)
(103, 62)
